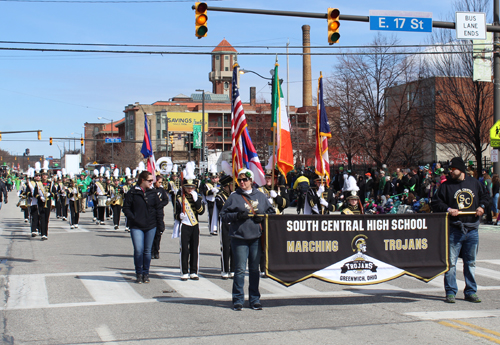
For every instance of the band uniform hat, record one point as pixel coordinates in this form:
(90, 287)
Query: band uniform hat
(269, 172)
(352, 195)
(457, 163)
(225, 180)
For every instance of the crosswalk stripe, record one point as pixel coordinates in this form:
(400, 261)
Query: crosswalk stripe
(27, 291)
(110, 287)
(202, 288)
(454, 314)
(484, 272)
(491, 261)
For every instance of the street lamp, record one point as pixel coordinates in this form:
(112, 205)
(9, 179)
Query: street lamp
(202, 124)
(112, 135)
(243, 71)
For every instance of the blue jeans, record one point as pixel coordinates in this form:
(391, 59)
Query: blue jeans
(494, 208)
(467, 244)
(142, 241)
(243, 250)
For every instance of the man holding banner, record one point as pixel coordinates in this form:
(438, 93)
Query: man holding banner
(465, 199)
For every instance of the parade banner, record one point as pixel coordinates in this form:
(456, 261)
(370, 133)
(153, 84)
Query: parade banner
(356, 249)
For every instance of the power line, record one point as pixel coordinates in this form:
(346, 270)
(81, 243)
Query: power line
(236, 46)
(152, 52)
(103, 2)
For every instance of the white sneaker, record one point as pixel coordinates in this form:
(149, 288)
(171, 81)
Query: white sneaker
(231, 274)
(26, 221)
(102, 223)
(72, 227)
(224, 276)
(44, 238)
(76, 225)
(194, 276)
(94, 219)
(185, 277)
(127, 229)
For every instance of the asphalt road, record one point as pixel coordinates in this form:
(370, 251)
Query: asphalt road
(78, 288)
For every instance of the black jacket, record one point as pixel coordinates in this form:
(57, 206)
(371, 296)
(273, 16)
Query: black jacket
(3, 192)
(466, 195)
(143, 209)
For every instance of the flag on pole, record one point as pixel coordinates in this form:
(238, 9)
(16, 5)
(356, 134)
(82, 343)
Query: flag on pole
(322, 135)
(147, 150)
(282, 125)
(244, 153)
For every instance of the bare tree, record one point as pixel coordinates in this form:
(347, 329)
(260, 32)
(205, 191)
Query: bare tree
(463, 107)
(382, 78)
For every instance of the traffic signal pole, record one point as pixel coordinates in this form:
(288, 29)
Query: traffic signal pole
(496, 73)
(347, 17)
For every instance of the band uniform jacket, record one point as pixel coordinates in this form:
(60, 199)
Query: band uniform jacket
(314, 201)
(281, 201)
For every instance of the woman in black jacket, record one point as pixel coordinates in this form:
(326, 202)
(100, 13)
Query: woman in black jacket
(144, 213)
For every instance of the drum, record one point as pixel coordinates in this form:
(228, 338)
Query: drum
(101, 200)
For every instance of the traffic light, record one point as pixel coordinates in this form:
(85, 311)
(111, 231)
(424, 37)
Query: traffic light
(333, 25)
(171, 139)
(0, 136)
(81, 141)
(200, 9)
(39, 135)
(50, 141)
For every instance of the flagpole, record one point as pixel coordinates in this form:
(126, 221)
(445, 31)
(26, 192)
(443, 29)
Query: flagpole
(275, 87)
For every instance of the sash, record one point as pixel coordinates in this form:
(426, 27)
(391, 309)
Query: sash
(189, 212)
(210, 198)
(100, 188)
(267, 193)
(41, 187)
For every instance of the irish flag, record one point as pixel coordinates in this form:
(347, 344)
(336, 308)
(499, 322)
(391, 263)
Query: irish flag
(282, 124)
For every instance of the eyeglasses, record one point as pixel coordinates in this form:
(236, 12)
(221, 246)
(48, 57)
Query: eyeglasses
(243, 179)
(149, 180)
(453, 169)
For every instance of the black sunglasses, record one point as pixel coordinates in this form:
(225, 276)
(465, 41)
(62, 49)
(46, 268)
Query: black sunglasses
(149, 180)
(245, 179)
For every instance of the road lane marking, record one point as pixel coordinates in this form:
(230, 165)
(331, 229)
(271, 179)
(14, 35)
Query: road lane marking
(454, 314)
(477, 334)
(106, 335)
(485, 330)
(109, 287)
(27, 291)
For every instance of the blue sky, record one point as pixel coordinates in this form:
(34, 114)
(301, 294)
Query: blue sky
(58, 92)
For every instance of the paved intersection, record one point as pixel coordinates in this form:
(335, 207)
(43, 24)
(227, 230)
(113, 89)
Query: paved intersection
(78, 287)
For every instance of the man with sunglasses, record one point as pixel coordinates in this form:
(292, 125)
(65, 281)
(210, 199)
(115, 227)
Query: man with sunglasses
(461, 193)
(245, 210)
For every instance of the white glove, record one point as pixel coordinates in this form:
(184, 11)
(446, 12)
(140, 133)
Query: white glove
(273, 194)
(109, 199)
(342, 197)
(215, 190)
(195, 195)
(321, 189)
(183, 216)
(323, 202)
(175, 191)
(270, 200)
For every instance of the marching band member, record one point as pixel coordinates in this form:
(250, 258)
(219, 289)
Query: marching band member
(44, 193)
(117, 196)
(74, 203)
(278, 197)
(319, 200)
(92, 194)
(33, 201)
(62, 189)
(187, 210)
(173, 186)
(353, 204)
(209, 190)
(226, 260)
(163, 196)
(109, 211)
(126, 188)
(101, 198)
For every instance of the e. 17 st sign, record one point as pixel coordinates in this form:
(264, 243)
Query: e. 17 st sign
(401, 21)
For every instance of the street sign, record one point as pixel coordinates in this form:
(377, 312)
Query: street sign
(112, 140)
(494, 155)
(197, 136)
(401, 21)
(470, 25)
(495, 135)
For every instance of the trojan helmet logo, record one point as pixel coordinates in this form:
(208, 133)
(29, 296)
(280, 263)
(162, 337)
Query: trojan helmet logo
(358, 244)
(464, 199)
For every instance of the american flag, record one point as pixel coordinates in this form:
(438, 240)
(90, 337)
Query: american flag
(322, 134)
(244, 153)
(147, 149)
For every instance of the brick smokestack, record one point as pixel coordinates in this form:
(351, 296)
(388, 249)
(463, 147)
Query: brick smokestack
(252, 96)
(306, 67)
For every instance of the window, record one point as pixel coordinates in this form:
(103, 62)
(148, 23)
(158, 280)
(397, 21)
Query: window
(226, 84)
(226, 68)
(216, 57)
(158, 134)
(226, 57)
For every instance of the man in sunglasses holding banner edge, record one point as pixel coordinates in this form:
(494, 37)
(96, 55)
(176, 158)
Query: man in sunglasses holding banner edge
(245, 210)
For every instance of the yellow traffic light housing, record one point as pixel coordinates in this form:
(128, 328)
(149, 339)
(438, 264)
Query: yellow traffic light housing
(171, 139)
(201, 19)
(81, 141)
(0, 136)
(333, 25)
(39, 135)
(50, 141)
